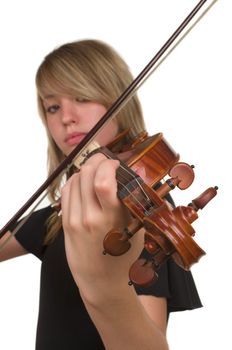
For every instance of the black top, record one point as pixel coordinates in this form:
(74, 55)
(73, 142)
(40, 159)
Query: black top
(63, 321)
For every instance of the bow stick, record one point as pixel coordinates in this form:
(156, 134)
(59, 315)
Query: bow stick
(112, 111)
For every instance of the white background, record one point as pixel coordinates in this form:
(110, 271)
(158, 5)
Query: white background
(187, 99)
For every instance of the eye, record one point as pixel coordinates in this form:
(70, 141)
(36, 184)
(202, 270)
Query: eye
(52, 109)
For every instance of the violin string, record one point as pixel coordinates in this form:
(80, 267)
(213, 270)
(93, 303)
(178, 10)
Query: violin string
(122, 173)
(134, 178)
(134, 197)
(122, 170)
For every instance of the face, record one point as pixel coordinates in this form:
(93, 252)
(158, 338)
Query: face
(70, 119)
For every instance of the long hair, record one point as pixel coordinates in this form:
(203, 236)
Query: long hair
(90, 70)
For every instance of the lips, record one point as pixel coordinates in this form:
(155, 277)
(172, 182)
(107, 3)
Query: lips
(74, 138)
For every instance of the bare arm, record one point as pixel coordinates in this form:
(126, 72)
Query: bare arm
(131, 322)
(90, 207)
(12, 249)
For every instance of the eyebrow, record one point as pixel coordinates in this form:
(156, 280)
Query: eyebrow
(48, 96)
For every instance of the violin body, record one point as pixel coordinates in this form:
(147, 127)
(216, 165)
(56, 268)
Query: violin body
(168, 230)
(152, 153)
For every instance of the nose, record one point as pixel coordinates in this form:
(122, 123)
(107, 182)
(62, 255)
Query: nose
(69, 112)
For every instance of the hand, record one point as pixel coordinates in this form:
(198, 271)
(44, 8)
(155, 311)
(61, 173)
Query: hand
(90, 208)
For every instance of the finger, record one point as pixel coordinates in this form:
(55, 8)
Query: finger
(71, 203)
(105, 184)
(65, 202)
(91, 207)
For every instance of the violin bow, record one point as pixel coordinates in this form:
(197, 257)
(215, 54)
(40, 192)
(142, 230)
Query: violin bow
(112, 111)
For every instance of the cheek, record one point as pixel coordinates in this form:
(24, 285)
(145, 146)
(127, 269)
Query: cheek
(107, 134)
(53, 131)
(50, 126)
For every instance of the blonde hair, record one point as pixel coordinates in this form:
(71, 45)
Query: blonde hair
(89, 70)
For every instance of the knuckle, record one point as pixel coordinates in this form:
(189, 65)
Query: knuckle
(95, 158)
(86, 168)
(102, 184)
(72, 225)
(89, 222)
(105, 176)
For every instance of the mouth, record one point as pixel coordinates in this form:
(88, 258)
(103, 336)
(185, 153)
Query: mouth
(74, 138)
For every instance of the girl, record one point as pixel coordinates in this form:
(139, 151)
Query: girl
(85, 299)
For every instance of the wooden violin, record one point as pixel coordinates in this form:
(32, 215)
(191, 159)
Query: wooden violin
(168, 230)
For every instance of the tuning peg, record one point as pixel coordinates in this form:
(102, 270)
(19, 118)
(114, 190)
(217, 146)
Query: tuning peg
(143, 273)
(183, 174)
(116, 242)
(204, 198)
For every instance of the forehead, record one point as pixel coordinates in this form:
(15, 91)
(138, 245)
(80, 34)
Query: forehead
(50, 98)
(53, 91)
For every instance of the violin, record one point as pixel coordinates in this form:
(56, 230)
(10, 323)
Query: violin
(168, 230)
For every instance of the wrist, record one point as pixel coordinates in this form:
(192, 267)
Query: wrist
(103, 295)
